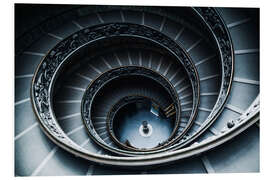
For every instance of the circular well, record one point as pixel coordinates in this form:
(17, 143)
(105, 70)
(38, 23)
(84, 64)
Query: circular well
(142, 124)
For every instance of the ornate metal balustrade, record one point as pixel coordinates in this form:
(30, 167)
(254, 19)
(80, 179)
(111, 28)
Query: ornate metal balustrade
(49, 68)
(114, 74)
(63, 53)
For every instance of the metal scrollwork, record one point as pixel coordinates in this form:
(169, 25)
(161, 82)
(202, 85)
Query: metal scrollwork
(45, 76)
(113, 74)
(46, 73)
(219, 30)
(220, 33)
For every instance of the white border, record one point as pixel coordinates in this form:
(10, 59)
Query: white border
(7, 81)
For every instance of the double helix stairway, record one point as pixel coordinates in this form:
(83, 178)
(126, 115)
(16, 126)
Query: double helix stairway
(193, 71)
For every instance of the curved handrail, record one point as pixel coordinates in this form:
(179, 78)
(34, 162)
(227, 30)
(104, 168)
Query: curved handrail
(246, 120)
(47, 71)
(116, 73)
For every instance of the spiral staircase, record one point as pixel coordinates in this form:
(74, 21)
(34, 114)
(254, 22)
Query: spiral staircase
(136, 90)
